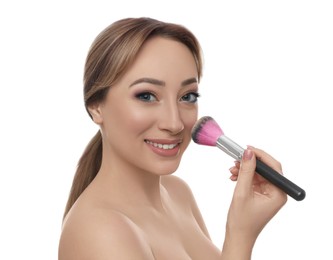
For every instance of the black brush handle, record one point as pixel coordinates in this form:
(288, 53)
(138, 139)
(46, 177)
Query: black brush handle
(280, 181)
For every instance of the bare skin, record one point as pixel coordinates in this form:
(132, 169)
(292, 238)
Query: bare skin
(119, 226)
(134, 208)
(127, 230)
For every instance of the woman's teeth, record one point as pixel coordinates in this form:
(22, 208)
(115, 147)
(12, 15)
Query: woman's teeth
(162, 146)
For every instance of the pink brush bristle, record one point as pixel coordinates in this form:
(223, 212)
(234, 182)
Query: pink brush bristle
(206, 131)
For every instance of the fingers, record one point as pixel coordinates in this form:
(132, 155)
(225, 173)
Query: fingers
(255, 200)
(249, 181)
(260, 155)
(269, 188)
(266, 158)
(234, 170)
(246, 173)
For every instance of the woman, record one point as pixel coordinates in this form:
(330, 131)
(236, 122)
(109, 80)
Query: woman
(141, 88)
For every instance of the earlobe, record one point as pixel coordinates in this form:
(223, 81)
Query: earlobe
(96, 113)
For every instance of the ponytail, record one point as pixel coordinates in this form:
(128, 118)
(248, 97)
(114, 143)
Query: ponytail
(88, 166)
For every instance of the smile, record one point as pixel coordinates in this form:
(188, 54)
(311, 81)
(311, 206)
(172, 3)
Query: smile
(162, 146)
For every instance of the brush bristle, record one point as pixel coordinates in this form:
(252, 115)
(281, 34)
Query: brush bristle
(206, 131)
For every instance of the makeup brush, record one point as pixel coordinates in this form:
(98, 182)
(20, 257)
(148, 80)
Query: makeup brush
(207, 132)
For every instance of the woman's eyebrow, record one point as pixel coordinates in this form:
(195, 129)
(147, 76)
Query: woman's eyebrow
(189, 81)
(162, 83)
(150, 81)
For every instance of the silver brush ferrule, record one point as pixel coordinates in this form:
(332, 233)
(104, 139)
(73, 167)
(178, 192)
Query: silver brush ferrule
(230, 147)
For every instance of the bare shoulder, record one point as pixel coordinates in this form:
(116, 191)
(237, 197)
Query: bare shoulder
(175, 186)
(180, 191)
(102, 235)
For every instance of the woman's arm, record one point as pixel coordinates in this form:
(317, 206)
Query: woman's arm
(254, 204)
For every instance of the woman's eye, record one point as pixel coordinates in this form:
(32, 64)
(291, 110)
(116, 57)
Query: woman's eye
(190, 97)
(146, 97)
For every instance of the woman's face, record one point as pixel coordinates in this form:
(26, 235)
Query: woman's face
(147, 117)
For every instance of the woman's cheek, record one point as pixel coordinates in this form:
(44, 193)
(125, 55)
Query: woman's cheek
(190, 117)
(140, 118)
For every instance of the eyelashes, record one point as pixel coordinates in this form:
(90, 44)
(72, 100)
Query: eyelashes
(146, 97)
(149, 97)
(191, 97)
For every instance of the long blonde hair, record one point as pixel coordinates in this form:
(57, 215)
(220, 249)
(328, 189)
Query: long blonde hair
(111, 53)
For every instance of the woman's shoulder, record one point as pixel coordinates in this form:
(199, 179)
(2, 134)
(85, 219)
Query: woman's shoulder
(181, 192)
(101, 235)
(175, 183)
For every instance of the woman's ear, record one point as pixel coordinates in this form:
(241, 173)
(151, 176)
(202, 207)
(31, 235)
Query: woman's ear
(96, 113)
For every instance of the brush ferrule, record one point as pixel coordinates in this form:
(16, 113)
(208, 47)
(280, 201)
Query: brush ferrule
(230, 147)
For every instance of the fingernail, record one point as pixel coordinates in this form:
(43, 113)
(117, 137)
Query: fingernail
(247, 155)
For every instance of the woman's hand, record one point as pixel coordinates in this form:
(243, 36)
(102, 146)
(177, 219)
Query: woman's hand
(255, 202)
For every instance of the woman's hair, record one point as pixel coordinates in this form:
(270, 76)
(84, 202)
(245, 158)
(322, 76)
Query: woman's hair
(112, 52)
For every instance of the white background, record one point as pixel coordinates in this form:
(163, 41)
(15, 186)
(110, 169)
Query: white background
(267, 82)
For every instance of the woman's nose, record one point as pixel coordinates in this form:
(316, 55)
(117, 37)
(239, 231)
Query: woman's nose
(171, 120)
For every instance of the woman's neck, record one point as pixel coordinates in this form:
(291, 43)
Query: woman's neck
(131, 186)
